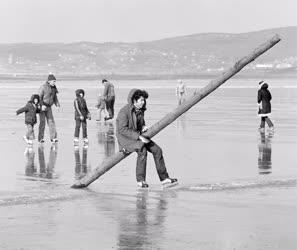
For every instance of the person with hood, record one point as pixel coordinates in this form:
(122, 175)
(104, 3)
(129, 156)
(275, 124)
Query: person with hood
(81, 115)
(48, 96)
(109, 97)
(32, 107)
(130, 125)
(264, 98)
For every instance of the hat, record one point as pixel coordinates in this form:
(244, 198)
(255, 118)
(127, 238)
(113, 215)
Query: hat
(104, 80)
(51, 77)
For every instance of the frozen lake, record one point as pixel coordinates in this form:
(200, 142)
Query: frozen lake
(234, 182)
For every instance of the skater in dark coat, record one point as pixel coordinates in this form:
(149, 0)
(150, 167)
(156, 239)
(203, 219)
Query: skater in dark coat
(264, 98)
(81, 115)
(32, 107)
(109, 98)
(130, 125)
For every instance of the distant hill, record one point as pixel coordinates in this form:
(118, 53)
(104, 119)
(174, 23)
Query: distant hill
(198, 54)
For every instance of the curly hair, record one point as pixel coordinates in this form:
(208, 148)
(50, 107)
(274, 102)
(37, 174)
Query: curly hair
(139, 93)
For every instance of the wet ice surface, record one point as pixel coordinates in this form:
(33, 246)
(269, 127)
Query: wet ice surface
(234, 181)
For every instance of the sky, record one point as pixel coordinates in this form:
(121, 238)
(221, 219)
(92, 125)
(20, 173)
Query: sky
(40, 21)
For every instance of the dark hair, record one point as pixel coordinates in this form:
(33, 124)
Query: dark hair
(139, 93)
(104, 80)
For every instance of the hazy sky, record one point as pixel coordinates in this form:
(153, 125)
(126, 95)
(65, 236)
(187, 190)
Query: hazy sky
(136, 20)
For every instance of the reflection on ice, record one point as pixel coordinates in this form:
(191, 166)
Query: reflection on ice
(81, 167)
(106, 138)
(264, 158)
(46, 170)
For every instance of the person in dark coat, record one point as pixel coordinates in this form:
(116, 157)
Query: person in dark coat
(48, 97)
(264, 98)
(130, 125)
(32, 107)
(109, 98)
(81, 115)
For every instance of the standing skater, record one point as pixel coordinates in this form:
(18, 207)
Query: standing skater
(264, 98)
(48, 96)
(180, 92)
(81, 115)
(109, 97)
(31, 108)
(130, 125)
(101, 108)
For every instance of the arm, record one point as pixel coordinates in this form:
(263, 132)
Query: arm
(41, 95)
(21, 110)
(259, 97)
(77, 108)
(123, 128)
(88, 112)
(105, 91)
(56, 101)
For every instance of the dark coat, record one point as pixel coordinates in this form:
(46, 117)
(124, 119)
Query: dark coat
(126, 126)
(48, 95)
(108, 92)
(30, 110)
(264, 97)
(82, 105)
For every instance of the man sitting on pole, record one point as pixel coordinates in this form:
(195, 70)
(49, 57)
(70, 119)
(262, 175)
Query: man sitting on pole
(130, 125)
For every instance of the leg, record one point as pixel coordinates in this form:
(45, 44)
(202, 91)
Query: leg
(41, 126)
(159, 159)
(84, 129)
(77, 128)
(112, 106)
(30, 132)
(269, 122)
(51, 123)
(262, 124)
(107, 103)
(141, 164)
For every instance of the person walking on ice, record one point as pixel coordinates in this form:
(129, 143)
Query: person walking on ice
(264, 98)
(31, 108)
(180, 92)
(130, 125)
(109, 97)
(48, 96)
(81, 115)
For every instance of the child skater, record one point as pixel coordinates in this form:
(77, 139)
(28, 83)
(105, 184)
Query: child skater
(101, 107)
(81, 115)
(32, 107)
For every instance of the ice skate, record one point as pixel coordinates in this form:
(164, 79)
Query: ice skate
(169, 182)
(142, 184)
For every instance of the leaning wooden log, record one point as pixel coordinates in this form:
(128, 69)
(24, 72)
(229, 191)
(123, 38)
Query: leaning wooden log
(173, 115)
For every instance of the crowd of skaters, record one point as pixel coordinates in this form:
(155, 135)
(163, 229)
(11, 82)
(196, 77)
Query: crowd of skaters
(130, 123)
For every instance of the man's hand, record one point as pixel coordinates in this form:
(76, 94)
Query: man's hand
(144, 129)
(43, 108)
(81, 118)
(143, 139)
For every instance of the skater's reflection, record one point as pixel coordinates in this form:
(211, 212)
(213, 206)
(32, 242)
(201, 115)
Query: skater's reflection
(142, 228)
(30, 168)
(47, 170)
(106, 138)
(181, 125)
(81, 167)
(264, 158)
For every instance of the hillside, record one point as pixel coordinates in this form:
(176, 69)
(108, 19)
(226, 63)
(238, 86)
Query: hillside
(206, 53)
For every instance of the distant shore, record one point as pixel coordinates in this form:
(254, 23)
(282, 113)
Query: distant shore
(79, 77)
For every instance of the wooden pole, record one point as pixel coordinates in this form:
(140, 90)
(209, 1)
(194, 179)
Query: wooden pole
(173, 115)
